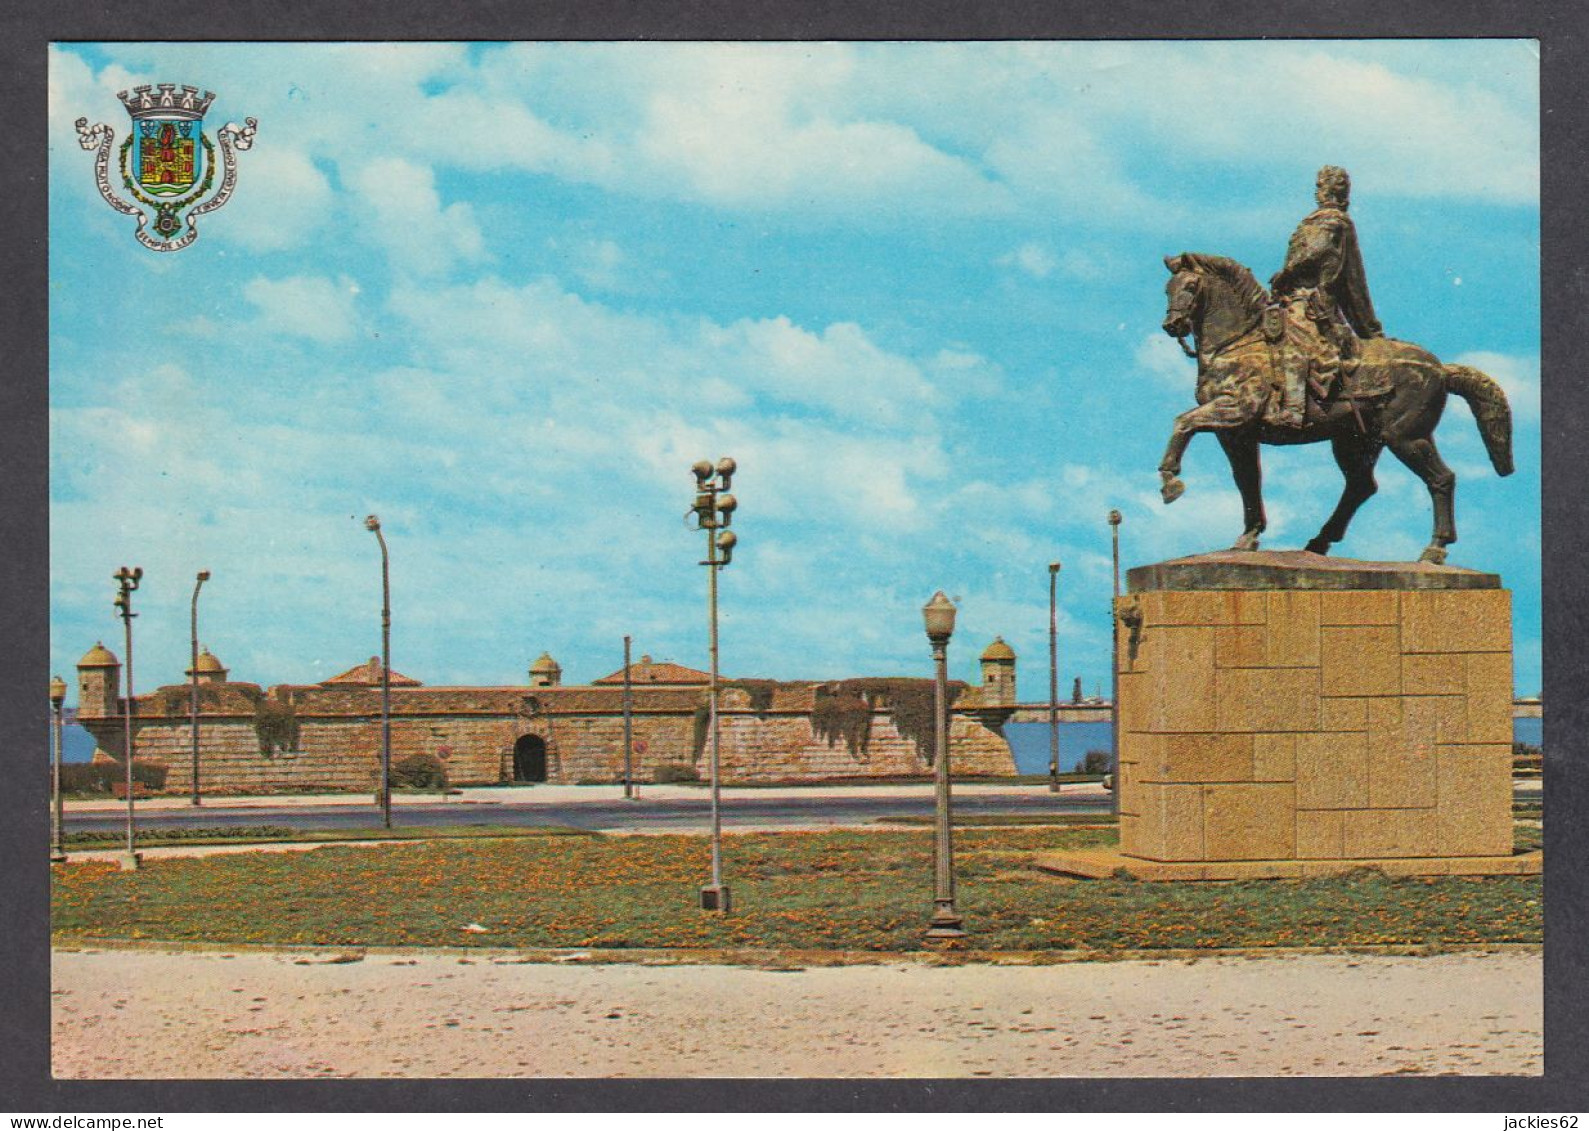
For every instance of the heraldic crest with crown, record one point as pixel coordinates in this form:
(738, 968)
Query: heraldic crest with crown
(167, 163)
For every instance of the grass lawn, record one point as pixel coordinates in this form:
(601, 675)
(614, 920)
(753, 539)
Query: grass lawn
(828, 890)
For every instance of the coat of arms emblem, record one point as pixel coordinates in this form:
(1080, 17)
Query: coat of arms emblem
(167, 163)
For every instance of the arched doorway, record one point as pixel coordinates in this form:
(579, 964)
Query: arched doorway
(529, 758)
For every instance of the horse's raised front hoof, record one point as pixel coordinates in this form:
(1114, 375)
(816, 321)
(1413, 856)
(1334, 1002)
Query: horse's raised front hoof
(1246, 544)
(1172, 489)
(1317, 546)
(1434, 555)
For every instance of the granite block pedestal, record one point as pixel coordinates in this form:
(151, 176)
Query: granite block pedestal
(1287, 714)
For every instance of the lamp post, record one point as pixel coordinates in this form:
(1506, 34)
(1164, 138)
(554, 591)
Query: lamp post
(374, 524)
(193, 675)
(939, 616)
(1114, 668)
(1053, 678)
(628, 727)
(57, 833)
(714, 512)
(126, 584)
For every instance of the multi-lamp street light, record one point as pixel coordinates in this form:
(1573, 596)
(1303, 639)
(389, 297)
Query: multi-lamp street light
(714, 513)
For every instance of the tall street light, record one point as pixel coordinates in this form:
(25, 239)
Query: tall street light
(939, 615)
(628, 727)
(714, 512)
(57, 833)
(126, 584)
(1114, 669)
(193, 676)
(374, 523)
(1053, 678)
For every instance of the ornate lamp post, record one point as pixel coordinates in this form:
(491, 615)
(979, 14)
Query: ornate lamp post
(939, 615)
(1053, 678)
(374, 524)
(714, 512)
(127, 583)
(193, 676)
(57, 833)
(1114, 669)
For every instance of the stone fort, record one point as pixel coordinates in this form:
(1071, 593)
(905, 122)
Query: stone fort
(327, 736)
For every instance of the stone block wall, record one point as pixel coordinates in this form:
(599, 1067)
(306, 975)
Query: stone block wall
(1315, 725)
(333, 757)
(757, 748)
(473, 732)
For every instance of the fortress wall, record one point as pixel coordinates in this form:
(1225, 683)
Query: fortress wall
(230, 760)
(339, 742)
(589, 748)
(785, 746)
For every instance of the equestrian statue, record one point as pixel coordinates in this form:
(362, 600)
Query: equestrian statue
(1306, 360)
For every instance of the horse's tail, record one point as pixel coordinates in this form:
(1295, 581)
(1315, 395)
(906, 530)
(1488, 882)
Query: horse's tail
(1488, 401)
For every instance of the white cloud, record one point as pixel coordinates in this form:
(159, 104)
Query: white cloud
(1160, 355)
(1410, 133)
(763, 127)
(880, 130)
(305, 306)
(964, 374)
(824, 422)
(404, 215)
(1088, 266)
(1032, 258)
(552, 339)
(282, 200)
(839, 370)
(600, 264)
(468, 130)
(1054, 159)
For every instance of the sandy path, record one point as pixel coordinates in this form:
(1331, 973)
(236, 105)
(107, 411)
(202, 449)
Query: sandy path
(133, 1014)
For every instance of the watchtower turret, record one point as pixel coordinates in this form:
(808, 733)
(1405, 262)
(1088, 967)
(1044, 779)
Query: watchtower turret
(209, 669)
(98, 684)
(545, 672)
(998, 674)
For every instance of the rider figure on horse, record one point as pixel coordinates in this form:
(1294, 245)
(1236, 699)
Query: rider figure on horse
(1323, 294)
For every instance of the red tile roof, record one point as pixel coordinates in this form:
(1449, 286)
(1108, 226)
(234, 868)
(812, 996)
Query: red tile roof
(368, 674)
(648, 671)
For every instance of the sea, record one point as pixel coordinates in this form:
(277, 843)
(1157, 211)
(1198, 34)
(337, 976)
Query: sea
(1028, 741)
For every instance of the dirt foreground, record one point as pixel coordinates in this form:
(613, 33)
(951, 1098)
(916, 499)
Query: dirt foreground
(147, 1014)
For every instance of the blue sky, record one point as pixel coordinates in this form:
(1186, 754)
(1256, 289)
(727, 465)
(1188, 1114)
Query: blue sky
(504, 295)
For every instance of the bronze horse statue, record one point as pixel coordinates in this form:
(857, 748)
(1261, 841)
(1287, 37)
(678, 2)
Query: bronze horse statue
(1393, 400)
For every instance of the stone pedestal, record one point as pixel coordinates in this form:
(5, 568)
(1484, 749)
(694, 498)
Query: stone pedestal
(1286, 714)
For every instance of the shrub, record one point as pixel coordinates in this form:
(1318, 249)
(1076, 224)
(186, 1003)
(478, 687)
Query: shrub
(151, 774)
(104, 777)
(89, 777)
(419, 771)
(839, 711)
(275, 724)
(674, 772)
(1096, 762)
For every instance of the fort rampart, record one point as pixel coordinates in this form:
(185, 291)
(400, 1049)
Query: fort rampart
(327, 736)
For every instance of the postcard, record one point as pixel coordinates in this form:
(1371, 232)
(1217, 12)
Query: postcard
(869, 560)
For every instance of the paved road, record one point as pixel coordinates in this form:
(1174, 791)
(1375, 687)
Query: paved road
(603, 809)
(660, 814)
(122, 1014)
